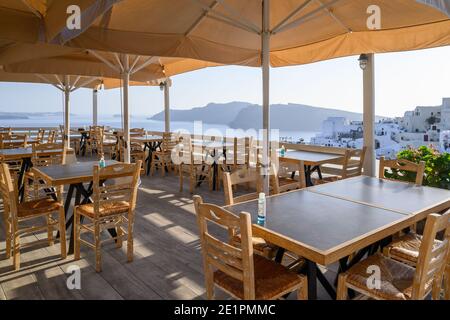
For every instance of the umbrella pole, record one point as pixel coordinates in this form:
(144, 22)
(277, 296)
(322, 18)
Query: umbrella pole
(369, 115)
(66, 112)
(94, 107)
(265, 56)
(126, 114)
(167, 105)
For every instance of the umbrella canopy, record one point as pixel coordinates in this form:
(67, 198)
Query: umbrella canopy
(76, 82)
(229, 31)
(55, 59)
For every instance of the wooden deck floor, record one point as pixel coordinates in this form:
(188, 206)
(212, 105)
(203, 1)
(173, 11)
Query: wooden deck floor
(167, 262)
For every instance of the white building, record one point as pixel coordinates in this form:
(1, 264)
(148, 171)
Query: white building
(423, 118)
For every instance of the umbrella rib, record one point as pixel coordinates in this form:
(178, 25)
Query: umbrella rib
(233, 23)
(134, 63)
(200, 19)
(143, 65)
(85, 83)
(105, 61)
(300, 20)
(119, 62)
(289, 16)
(231, 20)
(238, 17)
(42, 77)
(32, 9)
(339, 21)
(75, 82)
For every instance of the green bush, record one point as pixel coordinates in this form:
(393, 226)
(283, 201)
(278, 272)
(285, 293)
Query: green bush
(437, 167)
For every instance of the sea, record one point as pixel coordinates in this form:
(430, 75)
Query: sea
(81, 121)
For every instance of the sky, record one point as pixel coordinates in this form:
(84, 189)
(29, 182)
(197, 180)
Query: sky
(403, 81)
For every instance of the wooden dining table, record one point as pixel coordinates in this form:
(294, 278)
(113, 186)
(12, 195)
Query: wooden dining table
(151, 143)
(24, 155)
(214, 151)
(311, 160)
(328, 223)
(78, 177)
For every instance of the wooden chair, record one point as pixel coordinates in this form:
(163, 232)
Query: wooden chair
(110, 145)
(406, 249)
(18, 213)
(407, 170)
(244, 176)
(399, 281)
(95, 140)
(137, 132)
(193, 166)
(12, 141)
(113, 207)
(52, 136)
(40, 136)
(235, 269)
(285, 179)
(162, 159)
(137, 153)
(351, 166)
(44, 155)
(248, 177)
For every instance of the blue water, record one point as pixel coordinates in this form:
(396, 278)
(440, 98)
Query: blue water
(152, 125)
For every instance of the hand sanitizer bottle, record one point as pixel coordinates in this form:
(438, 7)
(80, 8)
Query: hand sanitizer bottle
(262, 209)
(282, 151)
(102, 162)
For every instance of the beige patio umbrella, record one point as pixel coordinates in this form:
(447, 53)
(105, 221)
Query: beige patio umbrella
(71, 61)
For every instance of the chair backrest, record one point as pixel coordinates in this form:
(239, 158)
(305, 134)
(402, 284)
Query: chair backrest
(137, 132)
(403, 170)
(51, 136)
(125, 189)
(11, 141)
(40, 135)
(242, 150)
(169, 141)
(350, 166)
(5, 130)
(287, 172)
(432, 257)
(8, 191)
(242, 176)
(236, 262)
(47, 154)
(353, 162)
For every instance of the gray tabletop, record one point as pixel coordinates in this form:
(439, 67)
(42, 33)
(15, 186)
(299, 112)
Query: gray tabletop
(311, 158)
(319, 221)
(392, 195)
(68, 174)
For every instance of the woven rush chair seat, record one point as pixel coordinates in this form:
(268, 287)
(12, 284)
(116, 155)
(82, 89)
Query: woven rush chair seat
(406, 248)
(326, 180)
(396, 278)
(37, 207)
(105, 209)
(400, 281)
(271, 279)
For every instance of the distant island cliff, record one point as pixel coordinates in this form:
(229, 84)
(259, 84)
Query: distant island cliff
(27, 115)
(245, 115)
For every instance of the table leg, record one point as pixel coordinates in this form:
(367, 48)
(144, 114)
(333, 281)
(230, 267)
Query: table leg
(311, 274)
(308, 178)
(26, 164)
(324, 282)
(279, 255)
